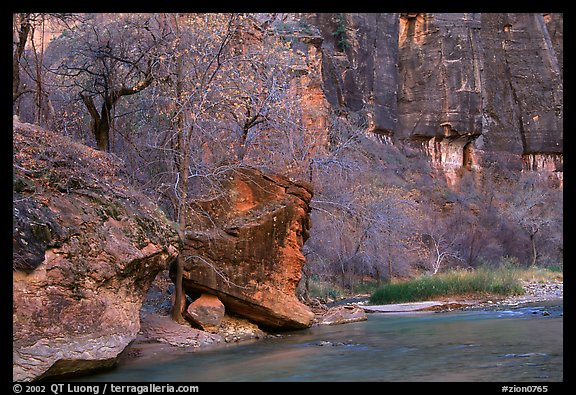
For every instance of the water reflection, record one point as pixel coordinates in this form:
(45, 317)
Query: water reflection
(519, 344)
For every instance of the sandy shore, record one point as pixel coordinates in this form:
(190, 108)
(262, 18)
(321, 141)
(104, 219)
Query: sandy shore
(417, 306)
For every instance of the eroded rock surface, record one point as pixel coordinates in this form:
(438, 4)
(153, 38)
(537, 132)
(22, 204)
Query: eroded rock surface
(245, 247)
(86, 247)
(162, 329)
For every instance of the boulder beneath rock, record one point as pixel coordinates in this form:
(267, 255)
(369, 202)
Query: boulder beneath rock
(342, 315)
(86, 247)
(244, 245)
(207, 312)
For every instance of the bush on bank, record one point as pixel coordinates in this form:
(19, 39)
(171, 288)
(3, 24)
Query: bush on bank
(482, 281)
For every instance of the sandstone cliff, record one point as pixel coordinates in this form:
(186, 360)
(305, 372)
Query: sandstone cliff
(469, 88)
(86, 247)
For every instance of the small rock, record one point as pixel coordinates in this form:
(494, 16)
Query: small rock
(342, 315)
(207, 311)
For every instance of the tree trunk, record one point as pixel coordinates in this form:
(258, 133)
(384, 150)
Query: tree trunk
(306, 283)
(378, 276)
(101, 129)
(24, 30)
(182, 173)
(99, 126)
(534, 251)
(342, 275)
(101, 122)
(390, 275)
(471, 251)
(178, 306)
(38, 60)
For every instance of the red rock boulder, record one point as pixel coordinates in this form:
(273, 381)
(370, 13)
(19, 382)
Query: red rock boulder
(245, 247)
(206, 312)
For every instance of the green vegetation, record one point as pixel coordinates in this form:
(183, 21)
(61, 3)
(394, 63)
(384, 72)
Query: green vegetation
(505, 279)
(482, 281)
(340, 33)
(542, 274)
(323, 290)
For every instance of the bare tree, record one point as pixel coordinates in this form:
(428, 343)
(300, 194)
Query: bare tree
(109, 56)
(226, 84)
(195, 102)
(366, 221)
(32, 32)
(535, 209)
(22, 25)
(441, 247)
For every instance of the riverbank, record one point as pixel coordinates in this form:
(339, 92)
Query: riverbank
(160, 337)
(505, 344)
(533, 292)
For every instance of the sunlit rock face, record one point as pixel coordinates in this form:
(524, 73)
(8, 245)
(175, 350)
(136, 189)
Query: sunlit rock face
(86, 247)
(244, 246)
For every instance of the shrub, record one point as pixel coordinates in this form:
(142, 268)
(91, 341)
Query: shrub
(340, 33)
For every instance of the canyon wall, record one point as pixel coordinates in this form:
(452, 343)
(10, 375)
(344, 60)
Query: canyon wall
(468, 88)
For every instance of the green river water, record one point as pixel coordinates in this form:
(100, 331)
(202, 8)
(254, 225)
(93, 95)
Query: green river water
(520, 344)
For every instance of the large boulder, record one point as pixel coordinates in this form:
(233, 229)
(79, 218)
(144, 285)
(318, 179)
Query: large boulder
(245, 247)
(86, 247)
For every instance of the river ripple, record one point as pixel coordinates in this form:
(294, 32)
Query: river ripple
(507, 343)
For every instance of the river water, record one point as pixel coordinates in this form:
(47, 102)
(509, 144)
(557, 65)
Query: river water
(508, 343)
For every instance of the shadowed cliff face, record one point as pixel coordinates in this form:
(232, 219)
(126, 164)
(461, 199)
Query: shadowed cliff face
(439, 70)
(86, 248)
(523, 84)
(490, 84)
(360, 68)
